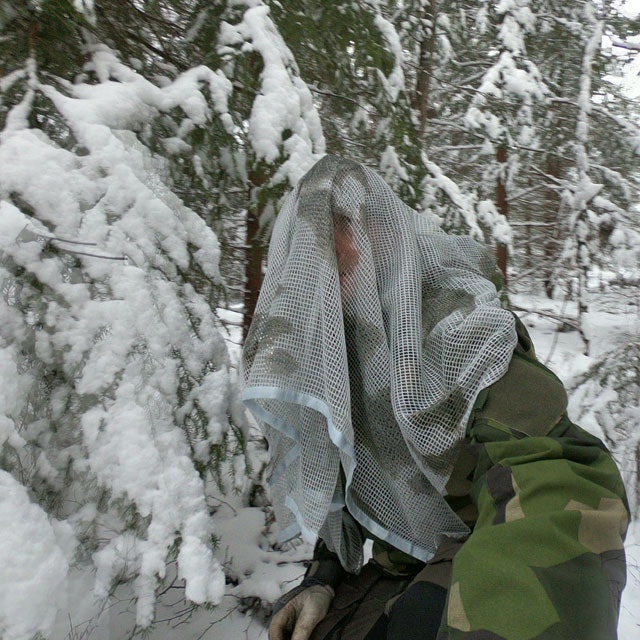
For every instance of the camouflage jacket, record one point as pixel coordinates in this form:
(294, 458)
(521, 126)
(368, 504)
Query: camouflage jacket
(546, 558)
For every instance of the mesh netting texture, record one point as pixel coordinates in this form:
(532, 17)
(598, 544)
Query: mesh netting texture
(373, 335)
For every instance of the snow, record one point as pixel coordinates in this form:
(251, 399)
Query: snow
(391, 165)
(125, 100)
(84, 6)
(284, 102)
(471, 213)
(33, 565)
(394, 83)
(121, 335)
(630, 8)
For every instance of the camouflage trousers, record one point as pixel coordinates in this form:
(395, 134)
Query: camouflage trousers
(381, 602)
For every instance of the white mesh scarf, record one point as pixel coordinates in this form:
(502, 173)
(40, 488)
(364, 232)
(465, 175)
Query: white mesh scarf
(373, 334)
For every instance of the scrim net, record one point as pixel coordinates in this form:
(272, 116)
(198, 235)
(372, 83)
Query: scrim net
(373, 334)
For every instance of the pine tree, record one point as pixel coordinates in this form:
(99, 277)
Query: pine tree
(120, 418)
(606, 399)
(278, 135)
(503, 119)
(361, 62)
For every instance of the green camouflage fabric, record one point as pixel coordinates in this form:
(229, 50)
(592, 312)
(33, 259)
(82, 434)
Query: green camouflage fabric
(546, 558)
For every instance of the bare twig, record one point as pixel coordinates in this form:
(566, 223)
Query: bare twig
(553, 316)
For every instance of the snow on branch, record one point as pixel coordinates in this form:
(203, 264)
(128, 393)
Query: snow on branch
(625, 44)
(395, 83)
(283, 120)
(120, 382)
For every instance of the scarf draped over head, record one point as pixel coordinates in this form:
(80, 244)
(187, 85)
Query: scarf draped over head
(372, 337)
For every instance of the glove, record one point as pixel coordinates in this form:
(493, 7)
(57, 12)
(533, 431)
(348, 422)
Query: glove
(297, 613)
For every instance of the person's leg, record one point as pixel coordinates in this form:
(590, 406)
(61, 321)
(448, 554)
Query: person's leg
(359, 605)
(546, 559)
(379, 630)
(416, 615)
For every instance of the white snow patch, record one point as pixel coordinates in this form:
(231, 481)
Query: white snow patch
(33, 565)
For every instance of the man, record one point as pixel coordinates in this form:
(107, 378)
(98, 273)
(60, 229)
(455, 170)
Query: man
(402, 403)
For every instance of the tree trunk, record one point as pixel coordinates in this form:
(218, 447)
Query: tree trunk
(254, 247)
(551, 213)
(425, 71)
(502, 253)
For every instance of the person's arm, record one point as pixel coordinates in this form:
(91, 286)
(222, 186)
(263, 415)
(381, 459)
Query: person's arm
(298, 611)
(325, 566)
(546, 558)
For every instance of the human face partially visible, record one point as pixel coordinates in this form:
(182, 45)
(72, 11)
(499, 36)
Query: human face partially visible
(347, 255)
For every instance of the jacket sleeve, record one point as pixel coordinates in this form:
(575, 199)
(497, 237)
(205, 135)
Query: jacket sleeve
(546, 558)
(325, 567)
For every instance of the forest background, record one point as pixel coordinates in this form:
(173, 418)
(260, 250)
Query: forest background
(146, 147)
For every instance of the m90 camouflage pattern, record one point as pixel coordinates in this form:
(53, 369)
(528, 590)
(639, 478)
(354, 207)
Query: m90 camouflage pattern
(546, 557)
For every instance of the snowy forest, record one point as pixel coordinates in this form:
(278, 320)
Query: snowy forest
(145, 149)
